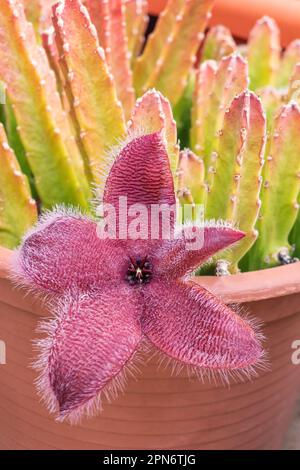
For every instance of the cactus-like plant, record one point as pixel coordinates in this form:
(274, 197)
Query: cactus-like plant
(235, 180)
(275, 78)
(80, 80)
(122, 291)
(171, 49)
(218, 44)
(228, 131)
(215, 88)
(71, 76)
(71, 85)
(279, 201)
(274, 75)
(263, 53)
(42, 122)
(268, 64)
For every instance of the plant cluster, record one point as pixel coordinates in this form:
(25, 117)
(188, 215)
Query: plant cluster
(80, 77)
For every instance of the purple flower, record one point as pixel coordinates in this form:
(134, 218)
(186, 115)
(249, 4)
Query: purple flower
(109, 295)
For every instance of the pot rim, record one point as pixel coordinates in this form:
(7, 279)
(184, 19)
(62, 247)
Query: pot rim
(241, 288)
(248, 11)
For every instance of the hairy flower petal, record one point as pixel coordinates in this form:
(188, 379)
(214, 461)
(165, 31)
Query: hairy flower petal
(189, 324)
(64, 251)
(142, 173)
(194, 246)
(91, 340)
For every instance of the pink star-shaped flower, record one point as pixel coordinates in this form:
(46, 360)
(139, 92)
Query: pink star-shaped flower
(108, 295)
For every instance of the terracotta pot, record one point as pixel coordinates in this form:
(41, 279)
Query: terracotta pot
(240, 16)
(161, 411)
(156, 6)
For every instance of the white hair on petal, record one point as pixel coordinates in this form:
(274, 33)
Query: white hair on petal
(49, 216)
(218, 375)
(143, 354)
(110, 157)
(16, 274)
(212, 375)
(210, 223)
(93, 406)
(137, 359)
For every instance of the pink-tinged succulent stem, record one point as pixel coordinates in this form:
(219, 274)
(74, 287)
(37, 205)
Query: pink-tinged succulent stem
(99, 14)
(170, 135)
(118, 57)
(248, 202)
(147, 116)
(272, 100)
(136, 24)
(182, 110)
(264, 53)
(290, 59)
(110, 22)
(230, 79)
(18, 209)
(51, 151)
(155, 43)
(65, 92)
(153, 113)
(201, 102)
(171, 50)
(236, 175)
(96, 111)
(280, 190)
(38, 12)
(218, 43)
(49, 44)
(33, 11)
(191, 179)
(226, 169)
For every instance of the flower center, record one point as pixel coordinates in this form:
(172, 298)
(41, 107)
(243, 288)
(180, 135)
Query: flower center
(139, 271)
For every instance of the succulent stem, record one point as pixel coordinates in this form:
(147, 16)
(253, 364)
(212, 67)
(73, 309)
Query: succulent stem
(50, 149)
(264, 53)
(218, 43)
(171, 49)
(280, 191)
(18, 211)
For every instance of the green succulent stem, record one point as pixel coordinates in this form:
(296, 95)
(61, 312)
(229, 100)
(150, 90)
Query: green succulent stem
(18, 210)
(280, 191)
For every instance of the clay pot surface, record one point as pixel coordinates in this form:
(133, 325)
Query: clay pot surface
(158, 410)
(240, 16)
